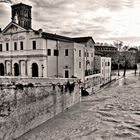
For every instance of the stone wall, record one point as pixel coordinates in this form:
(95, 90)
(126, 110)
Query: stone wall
(92, 83)
(35, 80)
(23, 108)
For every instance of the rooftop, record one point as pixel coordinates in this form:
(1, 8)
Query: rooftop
(56, 37)
(132, 49)
(104, 46)
(21, 4)
(83, 39)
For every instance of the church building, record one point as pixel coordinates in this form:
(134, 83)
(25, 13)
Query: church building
(25, 52)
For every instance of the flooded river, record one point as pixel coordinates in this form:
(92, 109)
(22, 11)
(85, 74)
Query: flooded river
(111, 114)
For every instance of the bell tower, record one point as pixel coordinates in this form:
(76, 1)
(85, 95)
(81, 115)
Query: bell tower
(21, 14)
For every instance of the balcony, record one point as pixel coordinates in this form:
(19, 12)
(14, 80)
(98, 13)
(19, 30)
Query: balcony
(91, 72)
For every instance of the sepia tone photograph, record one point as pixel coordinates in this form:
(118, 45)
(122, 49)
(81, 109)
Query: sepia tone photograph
(69, 70)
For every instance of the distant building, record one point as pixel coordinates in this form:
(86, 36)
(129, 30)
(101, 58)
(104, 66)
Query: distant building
(103, 65)
(107, 51)
(133, 50)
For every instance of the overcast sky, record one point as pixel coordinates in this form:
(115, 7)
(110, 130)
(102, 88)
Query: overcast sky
(104, 20)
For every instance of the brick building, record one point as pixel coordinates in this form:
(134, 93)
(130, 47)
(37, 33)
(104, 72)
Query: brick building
(107, 51)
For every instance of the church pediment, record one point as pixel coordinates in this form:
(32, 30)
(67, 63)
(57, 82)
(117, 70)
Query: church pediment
(13, 28)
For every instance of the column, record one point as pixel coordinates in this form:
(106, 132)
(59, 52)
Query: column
(5, 67)
(42, 66)
(26, 67)
(11, 62)
(20, 67)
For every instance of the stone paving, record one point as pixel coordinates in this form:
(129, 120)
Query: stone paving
(111, 114)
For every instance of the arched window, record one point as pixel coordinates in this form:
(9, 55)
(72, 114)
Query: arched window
(34, 70)
(1, 69)
(16, 69)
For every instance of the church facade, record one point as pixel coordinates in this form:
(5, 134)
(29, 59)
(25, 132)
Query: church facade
(25, 52)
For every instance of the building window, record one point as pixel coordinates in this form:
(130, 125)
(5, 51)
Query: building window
(102, 63)
(91, 54)
(105, 63)
(89, 63)
(21, 45)
(66, 74)
(66, 52)
(56, 53)
(80, 65)
(79, 53)
(49, 52)
(92, 63)
(7, 46)
(0, 47)
(108, 64)
(15, 45)
(34, 45)
(87, 54)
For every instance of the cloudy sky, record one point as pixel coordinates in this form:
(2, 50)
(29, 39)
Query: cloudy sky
(104, 20)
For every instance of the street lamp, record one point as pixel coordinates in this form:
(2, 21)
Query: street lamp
(42, 69)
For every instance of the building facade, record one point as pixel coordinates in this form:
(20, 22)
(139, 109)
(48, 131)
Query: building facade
(25, 52)
(89, 53)
(103, 65)
(108, 51)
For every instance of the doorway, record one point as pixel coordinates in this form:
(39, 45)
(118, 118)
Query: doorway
(16, 69)
(34, 70)
(66, 74)
(1, 69)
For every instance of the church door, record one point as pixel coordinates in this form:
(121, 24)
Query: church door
(16, 69)
(34, 70)
(1, 69)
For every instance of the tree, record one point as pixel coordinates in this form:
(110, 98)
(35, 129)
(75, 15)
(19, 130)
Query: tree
(125, 60)
(135, 68)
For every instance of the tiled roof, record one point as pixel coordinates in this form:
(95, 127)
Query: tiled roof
(83, 39)
(104, 46)
(132, 49)
(56, 37)
(47, 35)
(64, 38)
(19, 4)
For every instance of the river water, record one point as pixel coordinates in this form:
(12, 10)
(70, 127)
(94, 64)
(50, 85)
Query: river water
(111, 114)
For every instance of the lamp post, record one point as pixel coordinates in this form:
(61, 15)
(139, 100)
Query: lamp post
(42, 69)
